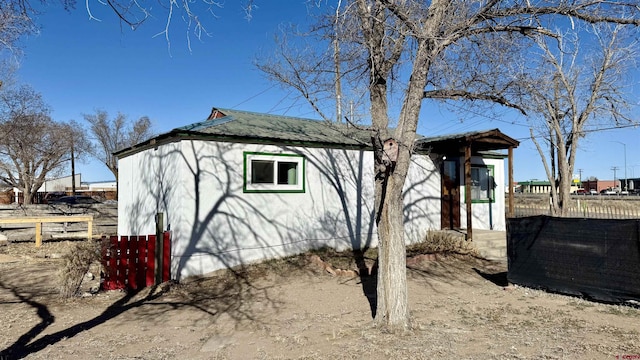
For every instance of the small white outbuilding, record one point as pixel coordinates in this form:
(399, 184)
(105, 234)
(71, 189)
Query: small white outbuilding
(241, 187)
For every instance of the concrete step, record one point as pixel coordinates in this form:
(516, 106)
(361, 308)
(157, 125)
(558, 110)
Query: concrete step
(494, 254)
(492, 245)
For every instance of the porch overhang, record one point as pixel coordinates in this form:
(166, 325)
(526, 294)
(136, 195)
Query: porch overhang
(456, 144)
(467, 145)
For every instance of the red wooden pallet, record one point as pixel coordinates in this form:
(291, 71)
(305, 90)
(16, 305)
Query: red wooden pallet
(129, 261)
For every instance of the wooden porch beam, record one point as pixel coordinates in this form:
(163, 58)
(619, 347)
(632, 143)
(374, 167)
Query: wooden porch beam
(511, 184)
(467, 189)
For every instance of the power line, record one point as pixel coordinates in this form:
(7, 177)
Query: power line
(254, 96)
(635, 124)
(611, 128)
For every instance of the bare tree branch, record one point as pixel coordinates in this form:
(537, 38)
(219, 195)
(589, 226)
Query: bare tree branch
(465, 95)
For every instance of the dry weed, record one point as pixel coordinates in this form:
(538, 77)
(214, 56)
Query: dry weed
(442, 242)
(76, 264)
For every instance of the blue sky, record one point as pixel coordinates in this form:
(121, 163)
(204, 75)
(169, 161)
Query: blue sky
(80, 65)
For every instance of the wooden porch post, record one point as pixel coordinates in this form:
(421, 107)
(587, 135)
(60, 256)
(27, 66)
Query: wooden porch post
(467, 189)
(510, 154)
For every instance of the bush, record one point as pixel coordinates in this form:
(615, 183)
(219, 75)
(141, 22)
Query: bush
(76, 264)
(443, 242)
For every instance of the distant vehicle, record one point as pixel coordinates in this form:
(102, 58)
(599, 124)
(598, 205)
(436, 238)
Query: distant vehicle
(607, 192)
(53, 196)
(73, 200)
(593, 192)
(623, 192)
(580, 192)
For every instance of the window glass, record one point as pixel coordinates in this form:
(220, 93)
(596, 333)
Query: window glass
(482, 183)
(287, 172)
(261, 172)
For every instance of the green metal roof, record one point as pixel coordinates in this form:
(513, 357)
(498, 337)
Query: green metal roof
(535, 182)
(251, 125)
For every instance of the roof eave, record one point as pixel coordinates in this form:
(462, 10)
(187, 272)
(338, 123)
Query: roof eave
(180, 134)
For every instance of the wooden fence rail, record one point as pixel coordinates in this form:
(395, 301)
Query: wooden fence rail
(587, 212)
(38, 220)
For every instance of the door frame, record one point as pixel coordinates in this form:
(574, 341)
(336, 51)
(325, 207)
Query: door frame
(450, 205)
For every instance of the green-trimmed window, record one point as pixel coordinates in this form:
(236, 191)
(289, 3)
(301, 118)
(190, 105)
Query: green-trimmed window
(482, 184)
(265, 172)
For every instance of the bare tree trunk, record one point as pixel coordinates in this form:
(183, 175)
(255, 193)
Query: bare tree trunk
(392, 310)
(564, 187)
(27, 194)
(393, 302)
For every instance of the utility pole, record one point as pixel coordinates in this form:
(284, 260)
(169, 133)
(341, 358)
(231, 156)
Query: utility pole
(580, 178)
(73, 171)
(625, 165)
(615, 168)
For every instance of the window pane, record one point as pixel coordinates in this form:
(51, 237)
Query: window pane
(476, 192)
(482, 183)
(287, 173)
(261, 172)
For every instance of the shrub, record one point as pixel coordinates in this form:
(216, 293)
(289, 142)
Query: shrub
(76, 264)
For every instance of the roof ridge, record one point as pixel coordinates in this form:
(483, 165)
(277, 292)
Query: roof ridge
(270, 115)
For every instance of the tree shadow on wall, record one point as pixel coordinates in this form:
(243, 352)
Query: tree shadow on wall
(206, 212)
(230, 229)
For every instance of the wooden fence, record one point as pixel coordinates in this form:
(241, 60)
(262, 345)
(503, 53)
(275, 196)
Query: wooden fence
(39, 220)
(130, 261)
(587, 211)
(105, 221)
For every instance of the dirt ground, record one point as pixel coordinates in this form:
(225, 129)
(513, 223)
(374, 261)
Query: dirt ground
(461, 307)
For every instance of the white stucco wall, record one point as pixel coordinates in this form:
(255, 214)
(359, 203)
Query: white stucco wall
(198, 185)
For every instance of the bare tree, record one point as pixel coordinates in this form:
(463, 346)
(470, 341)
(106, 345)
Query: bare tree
(111, 135)
(582, 84)
(16, 20)
(414, 50)
(32, 145)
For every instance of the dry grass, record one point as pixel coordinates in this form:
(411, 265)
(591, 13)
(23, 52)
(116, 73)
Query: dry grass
(442, 242)
(274, 310)
(435, 242)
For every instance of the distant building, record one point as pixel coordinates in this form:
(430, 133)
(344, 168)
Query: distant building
(541, 187)
(534, 187)
(105, 190)
(599, 185)
(60, 184)
(100, 186)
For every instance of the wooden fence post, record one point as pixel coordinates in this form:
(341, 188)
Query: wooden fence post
(38, 234)
(159, 247)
